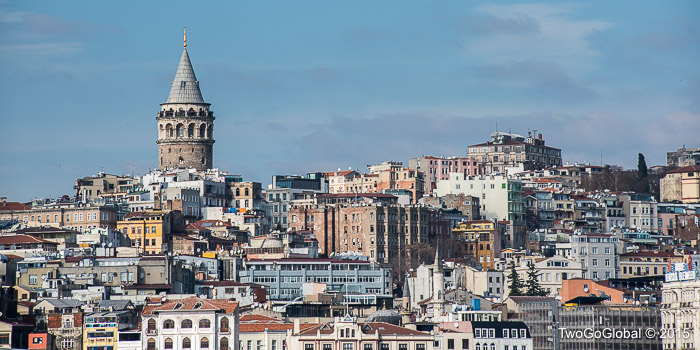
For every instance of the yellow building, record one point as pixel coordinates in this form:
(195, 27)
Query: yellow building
(101, 329)
(480, 239)
(682, 185)
(147, 230)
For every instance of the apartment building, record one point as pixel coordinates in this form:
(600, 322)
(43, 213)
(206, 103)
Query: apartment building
(646, 263)
(507, 150)
(679, 308)
(103, 186)
(437, 169)
(480, 239)
(377, 230)
(640, 211)
(76, 216)
(681, 185)
(284, 277)
(598, 255)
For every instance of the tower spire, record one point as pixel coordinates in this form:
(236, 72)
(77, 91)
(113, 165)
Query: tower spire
(185, 40)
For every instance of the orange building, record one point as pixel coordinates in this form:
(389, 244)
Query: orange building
(148, 230)
(480, 239)
(38, 341)
(582, 287)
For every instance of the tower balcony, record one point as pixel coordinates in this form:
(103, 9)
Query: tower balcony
(190, 113)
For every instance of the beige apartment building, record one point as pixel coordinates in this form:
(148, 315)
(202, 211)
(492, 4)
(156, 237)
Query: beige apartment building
(507, 150)
(104, 185)
(382, 177)
(79, 218)
(379, 231)
(681, 185)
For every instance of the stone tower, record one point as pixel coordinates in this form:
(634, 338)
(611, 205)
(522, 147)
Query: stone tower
(185, 122)
(438, 283)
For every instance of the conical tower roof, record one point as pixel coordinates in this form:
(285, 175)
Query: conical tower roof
(185, 88)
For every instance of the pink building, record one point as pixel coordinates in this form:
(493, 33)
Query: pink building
(439, 168)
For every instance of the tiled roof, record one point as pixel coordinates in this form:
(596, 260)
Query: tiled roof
(257, 318)
(206, 224)
(261, 327)
(192, 303)
(22, 239)
(382, 328)
(687, 169)
(7, 206)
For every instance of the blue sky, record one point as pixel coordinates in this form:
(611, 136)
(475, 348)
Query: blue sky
(302, 86)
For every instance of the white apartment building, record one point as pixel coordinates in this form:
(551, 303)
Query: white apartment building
(552, 271)
(680, 309)
(191, 323)
(501, 198)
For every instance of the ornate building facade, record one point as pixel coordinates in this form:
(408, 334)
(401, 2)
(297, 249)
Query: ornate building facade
(185, 123)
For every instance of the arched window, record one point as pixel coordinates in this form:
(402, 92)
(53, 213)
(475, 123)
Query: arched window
(223, 343)
(186, 343)
(210, 131)
(180, 130)
(152, 325)
(186, 324)
(224, 324)
(169, 130)
(151, 344)
(204, 343)
(168, 343)
(202, 130)
(246, 192)
(180, 161)
(168, 324)
(190, 130)
(204, 323)
(238, 192)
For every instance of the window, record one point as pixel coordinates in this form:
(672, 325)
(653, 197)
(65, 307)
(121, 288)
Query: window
(522, 333)
(385, 346)
(258, 345)
(348, 346)
(327, 346)
(450, 344)
(168, 343)
(223, 343)
(308, 346)
(68, 343)
(186, 343)
(607, 250)
(38, 340)
(224, 324)
(33, 279)
(465, 344)
(274, 344)
(168, 324)
(204, 343)
(186, 324)
(368, 346)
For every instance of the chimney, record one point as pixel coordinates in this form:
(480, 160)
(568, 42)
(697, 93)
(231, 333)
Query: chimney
(539, 136)
(296, 326)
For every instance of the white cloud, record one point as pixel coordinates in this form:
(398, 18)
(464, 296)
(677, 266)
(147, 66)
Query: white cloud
(561, 37)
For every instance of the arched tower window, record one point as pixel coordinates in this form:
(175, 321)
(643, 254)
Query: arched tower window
(238, 192)
(180, 130)
(169, 130)
(223, 343)
(190, 130)
(180, 161)
(210, 133)
(202, 130)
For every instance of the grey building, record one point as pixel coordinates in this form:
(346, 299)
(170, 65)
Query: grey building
(608, 319)
(285, 277)
(598, 254)
(540, 314)
(286, 188)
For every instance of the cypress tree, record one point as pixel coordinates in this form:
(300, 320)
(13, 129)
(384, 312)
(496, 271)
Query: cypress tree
(515, 283)
(532, 284)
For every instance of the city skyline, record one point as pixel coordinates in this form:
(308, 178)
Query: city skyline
(315, 86)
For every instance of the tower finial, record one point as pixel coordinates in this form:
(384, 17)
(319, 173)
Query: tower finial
(185, 43)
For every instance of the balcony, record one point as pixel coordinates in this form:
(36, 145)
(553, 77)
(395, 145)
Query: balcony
(152, 331)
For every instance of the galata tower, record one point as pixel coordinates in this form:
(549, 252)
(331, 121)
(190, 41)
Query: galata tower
(185, 122)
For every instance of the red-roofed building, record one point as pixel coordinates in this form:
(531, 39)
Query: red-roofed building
(257, 331)
(346, 333)
(26, 245)
(190, 323)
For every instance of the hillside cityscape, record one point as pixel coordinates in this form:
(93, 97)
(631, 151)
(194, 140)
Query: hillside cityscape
(505, 246)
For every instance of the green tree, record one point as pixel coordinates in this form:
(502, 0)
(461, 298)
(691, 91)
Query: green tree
(532, 285)
(515, 283)
(642, 170)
